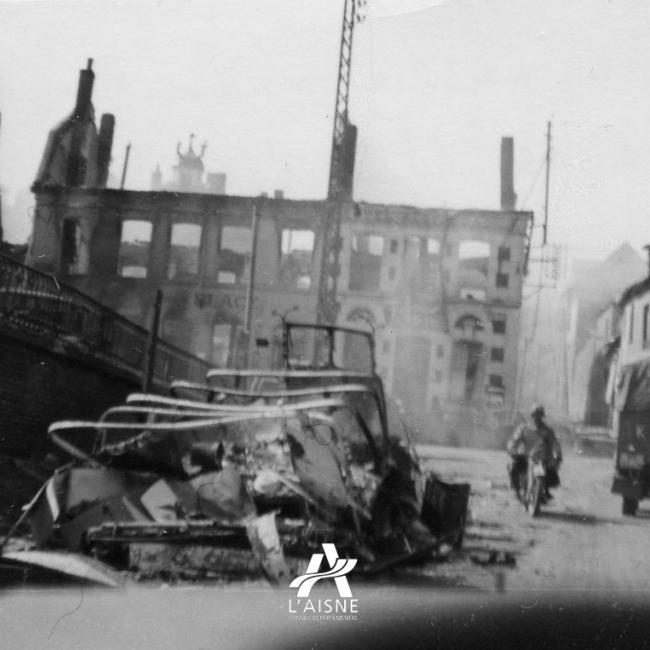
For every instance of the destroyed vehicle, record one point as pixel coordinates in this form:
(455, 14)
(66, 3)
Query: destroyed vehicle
(247, 474)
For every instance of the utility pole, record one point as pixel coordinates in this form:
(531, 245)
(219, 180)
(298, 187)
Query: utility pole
(285, 334)
(566, 394)
(250, 291)
(147, 380)
(548, 172)
(126, 165)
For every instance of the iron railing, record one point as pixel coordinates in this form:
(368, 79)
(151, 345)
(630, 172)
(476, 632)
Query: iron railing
(37, 305)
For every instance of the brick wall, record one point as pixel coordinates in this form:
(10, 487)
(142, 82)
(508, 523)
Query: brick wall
(38, 386)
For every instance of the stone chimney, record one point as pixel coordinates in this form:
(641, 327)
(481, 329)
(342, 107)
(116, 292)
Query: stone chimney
(84, 92)
(508, 196)
(78, 164)
(104, 148)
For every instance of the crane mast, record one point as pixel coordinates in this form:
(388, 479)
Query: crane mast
(339, 189)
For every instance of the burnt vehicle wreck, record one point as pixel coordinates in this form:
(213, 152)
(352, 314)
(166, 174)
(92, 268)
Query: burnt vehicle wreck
(245, 475)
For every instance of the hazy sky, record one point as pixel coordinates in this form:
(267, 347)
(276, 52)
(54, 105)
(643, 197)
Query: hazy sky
(433, 91)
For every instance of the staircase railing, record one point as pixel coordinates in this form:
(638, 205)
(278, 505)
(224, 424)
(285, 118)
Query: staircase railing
(36, 304)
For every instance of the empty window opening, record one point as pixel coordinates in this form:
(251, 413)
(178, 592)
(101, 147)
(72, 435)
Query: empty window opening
(499, 325)
(234, 254)
(431, 257)
(184, 251)
(74, 248)
(411, 261)
(433, 247)
(365, 262)
(295, 265)
(503, 254)
(474, 256)
(135, 243)
(496, 354)
(495, 381)
(421, 258)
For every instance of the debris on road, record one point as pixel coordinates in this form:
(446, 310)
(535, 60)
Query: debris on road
(246, 475)
(485, 558)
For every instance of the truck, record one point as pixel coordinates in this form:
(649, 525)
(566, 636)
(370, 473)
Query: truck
(632, 426)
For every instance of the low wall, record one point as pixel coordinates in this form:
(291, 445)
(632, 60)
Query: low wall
(38, 386)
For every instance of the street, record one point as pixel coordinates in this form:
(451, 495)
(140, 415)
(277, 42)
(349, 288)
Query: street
(579, 542)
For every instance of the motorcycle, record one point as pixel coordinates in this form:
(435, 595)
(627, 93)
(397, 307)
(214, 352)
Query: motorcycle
(534, 475)
(535, 493)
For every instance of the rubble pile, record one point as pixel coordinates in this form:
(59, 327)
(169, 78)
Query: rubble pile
(245, 475)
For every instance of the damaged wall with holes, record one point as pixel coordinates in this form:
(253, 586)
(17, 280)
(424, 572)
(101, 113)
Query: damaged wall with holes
(120, 246)
(441, 287)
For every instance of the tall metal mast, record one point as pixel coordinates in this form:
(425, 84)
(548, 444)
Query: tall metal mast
(339, 188)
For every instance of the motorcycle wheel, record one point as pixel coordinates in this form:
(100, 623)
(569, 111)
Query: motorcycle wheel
(522, 479)
(534, 497)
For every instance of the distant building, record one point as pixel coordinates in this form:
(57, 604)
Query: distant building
(592, 367)
(566, 336)
(442, 288)
(188, 174)
(588, 303)
(628, 387)
(635, 323)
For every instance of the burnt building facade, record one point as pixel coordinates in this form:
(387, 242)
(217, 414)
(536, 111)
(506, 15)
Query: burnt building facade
(441, 288)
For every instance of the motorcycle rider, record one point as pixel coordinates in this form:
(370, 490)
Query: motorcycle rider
(524, 440)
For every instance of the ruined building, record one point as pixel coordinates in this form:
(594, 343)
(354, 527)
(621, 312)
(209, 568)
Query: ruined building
(442, 288)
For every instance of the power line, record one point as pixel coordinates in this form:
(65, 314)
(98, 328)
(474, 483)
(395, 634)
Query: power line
(535, 179)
